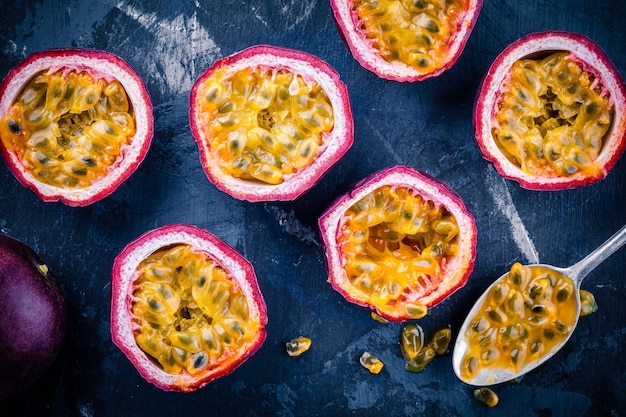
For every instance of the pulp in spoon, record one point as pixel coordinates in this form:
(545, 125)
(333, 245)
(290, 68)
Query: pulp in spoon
(532, 310)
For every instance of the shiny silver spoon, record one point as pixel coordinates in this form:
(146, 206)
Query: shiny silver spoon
(576, 272)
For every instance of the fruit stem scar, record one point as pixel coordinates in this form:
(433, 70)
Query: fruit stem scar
(43, 268)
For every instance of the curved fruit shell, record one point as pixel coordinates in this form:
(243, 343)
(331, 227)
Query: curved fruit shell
(594, 60)
(122, 287)
(33, 317)
(99, 64)
(459, 269)
(370, 58)
(333, 148)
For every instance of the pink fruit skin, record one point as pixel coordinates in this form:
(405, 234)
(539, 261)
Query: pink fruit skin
(33, 317)
(329, 153)
(122, 287)
(430, 188)
(99, 64)
(593, 59)
(370, 59)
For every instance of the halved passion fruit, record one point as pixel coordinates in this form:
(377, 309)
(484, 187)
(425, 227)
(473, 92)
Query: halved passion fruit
(551, 112)
(186, 308)
(74, 124)
(406, 40)
(399, 243)
(269, 122)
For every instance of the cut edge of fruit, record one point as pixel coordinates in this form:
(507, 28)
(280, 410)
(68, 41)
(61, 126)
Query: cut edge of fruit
(330, 151)
(371, 60)
(99, 64)
(593, 59)
(123, 282)
(431, 189)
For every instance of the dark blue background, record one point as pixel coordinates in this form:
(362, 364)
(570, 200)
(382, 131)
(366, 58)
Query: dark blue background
(425, 125)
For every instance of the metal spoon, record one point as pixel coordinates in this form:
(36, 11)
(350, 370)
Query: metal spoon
(576, 272)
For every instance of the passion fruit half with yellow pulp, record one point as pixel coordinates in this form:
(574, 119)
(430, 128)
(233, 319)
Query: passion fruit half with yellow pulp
(551, 112)
(399, 243)
(406, 40)
(186, 308)
(74, 124)
(270, 122)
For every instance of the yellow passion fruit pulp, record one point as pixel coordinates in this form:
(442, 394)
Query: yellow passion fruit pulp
(522, 318)
(189, 313)
(264, 124)
(550, 112)
(186, 308)
(414, 32)
(269, 122)
(393, 242)
(406, 40)
(68, 129)
(399, 242)
(74, 124)
(553, 116)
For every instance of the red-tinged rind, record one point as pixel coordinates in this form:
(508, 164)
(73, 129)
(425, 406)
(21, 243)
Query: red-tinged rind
(99, 64)
(125, 274)
(369, 57)
(594, 60)
(33, 317)
(457, 270)
(334, 146)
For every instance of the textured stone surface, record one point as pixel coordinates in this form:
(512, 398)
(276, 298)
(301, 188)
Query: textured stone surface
(426, 125)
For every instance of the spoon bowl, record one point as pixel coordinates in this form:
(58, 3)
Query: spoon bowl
(492, 375)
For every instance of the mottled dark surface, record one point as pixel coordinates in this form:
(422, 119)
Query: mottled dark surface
(425, 125)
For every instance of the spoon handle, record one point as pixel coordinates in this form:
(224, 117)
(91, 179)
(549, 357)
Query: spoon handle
(582, 268)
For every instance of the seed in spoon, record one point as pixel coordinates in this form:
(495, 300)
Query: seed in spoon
(522, 318)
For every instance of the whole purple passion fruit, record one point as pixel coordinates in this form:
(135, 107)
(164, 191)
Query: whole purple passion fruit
(32, 317)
